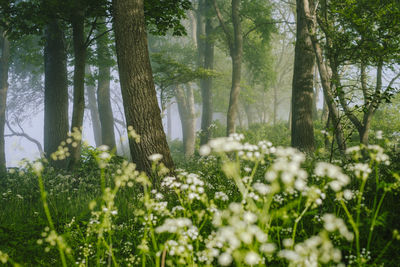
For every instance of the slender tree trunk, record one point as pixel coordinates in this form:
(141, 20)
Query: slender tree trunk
(78, 36)
(236, 54)
(371, 106)
(290, 117)
(206, 84)
(103, 89)
(249, 114)
(327, 126)
(325, 79)
(315, 93)
(325, 112)
(137, 86)
(169, 122)
(240, 118)
(55, 91)
(302, 88)
(4, 67)
(94, 112)
(187, 114)
(275, 105)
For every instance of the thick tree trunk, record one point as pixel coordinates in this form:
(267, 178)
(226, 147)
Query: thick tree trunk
(302, 88)
(78, 36)
(236, 54)
(94, 112)
(4, 66)
(137, 86)
(187, 115)
(206, 84)
(103, 90)
(55, 91)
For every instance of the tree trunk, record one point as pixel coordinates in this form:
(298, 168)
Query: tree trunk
(169, 122)
(94, 112)
(290, 116)
(55, 91)
(315, 93)
(275, 105)
(236, 54)
(187, 114)
(103, 89)
(302, 87)
(371, 106)
(78, 36)
(4, 67)
(249, 114)
(137, 86)
(325, 80)
(206, 84)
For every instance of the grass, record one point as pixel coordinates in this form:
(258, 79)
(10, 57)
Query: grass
(241, 205)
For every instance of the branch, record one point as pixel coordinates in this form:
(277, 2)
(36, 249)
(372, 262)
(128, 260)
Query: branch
(223, 25)
(99, 36)
(93, 26)
(23, 134)
(265, 23)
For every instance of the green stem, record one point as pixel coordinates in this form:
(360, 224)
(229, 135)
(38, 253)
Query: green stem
(354, 226)
(371, 229)
(109, 248)
(296, 223)
(50, 220)
(382, 252)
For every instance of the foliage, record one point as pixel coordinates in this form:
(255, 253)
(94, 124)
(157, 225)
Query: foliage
(30, 17)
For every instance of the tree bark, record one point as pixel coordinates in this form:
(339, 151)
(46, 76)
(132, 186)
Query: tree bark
(4, 67)
(249, 114)
(275, 119)
(187, 114)
(206, 84)
(55, 91)
(94, 112)
(78, 36)
(315, 94)
(103, 90)
(302, 87)
(137, 86)
(169, 122)
(236, 54)
(235, 43)
(325, 78)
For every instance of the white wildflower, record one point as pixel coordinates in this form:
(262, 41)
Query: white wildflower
(155, 157)
(225, 259)
(252, 258)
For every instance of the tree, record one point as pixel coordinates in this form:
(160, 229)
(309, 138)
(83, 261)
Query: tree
(174, 79)
(4, 66)
(55, 90)
(351, 44)
(235, 43)
(92, 105)
(302, 88)
(137, 86)
(104, 62)
(205, 47)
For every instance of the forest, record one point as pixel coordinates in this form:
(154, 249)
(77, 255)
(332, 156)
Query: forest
(200, 133)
